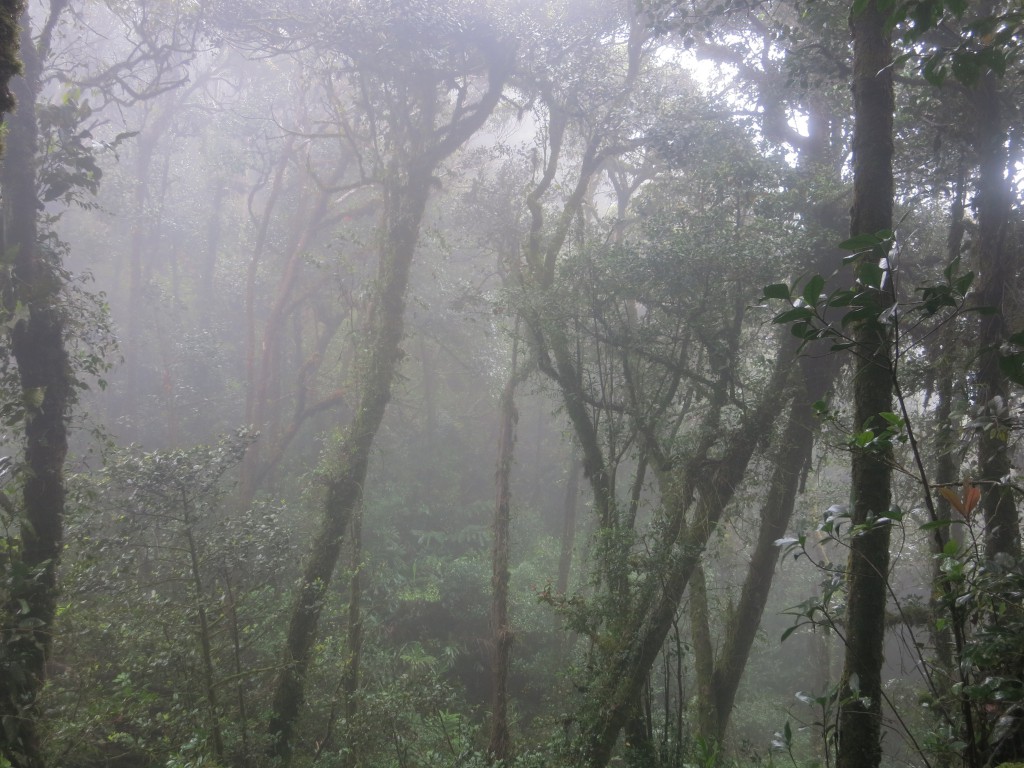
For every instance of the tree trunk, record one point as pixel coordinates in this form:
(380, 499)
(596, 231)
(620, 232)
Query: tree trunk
(996, 266)
(264, 403)
(404, 204)
(499, 746)
(703, 654)
(947, 470)
(350, 676)
(568, 541)
(738, 638)
(624, 665)
(205, 640)
(37, 344)
(860, 705)
(406, 187)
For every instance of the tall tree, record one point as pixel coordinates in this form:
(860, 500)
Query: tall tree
(996, 263)
(499, 745)
(420, 125)
(867, 575)
(33, 302)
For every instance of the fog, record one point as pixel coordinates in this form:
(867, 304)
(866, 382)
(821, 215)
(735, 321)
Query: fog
(454, 383)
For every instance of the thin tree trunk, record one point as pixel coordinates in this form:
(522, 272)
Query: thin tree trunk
(568, 541)
(264, 412)
(499, 746)
(205, 640)
(860, 705)
(947, 470)
(245, 759)
(350, 677)
(205, 290)
(703, 654)
(429, 391)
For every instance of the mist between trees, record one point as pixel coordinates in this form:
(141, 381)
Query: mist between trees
(397, 383)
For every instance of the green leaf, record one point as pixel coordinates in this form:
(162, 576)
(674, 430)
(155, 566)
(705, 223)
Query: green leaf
(865, 438)
(804, 330)
(812, 291)
(951, 269)
(963, 283)
(777, 291)
(797, 313)
(862, 313)
(935, 71)
(33, 397)
(870, 274)
(843, 298)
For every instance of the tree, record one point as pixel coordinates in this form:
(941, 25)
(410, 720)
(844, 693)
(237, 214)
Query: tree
(860, 697)
(33, 302)
(993, 203)
(420, 129)
(38, 312)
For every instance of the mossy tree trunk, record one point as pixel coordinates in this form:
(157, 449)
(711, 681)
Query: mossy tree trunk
(792, 455)
(499, 745)
(405, 201)
(860, 705)
(420, 147)
(34, 296)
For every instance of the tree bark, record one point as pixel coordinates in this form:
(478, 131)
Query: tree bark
(860, 705)
(37, 344)
(996, 266)
(499, 746)
(351, 674)
(947, 470)
(703, 654)
(738, 638)
(568, 540)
